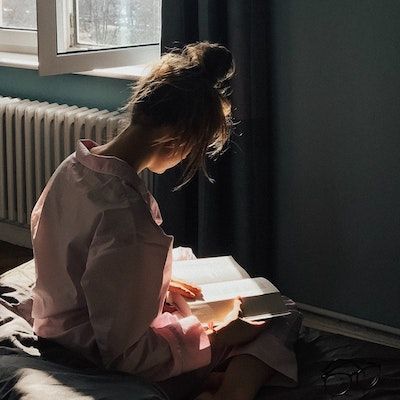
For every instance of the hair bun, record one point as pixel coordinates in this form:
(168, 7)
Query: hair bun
(215, 61)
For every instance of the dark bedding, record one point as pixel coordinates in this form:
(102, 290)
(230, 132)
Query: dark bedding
(38, 370)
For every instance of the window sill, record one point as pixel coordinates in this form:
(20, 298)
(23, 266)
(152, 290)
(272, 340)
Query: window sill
(30, 61)
(19, 60)
(132, 72)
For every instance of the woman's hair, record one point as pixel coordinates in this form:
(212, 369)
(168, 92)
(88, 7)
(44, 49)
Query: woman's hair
(187, 91)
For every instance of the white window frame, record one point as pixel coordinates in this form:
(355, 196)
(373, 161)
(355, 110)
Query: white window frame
(44, 43)
(51, 63)
(19, 41)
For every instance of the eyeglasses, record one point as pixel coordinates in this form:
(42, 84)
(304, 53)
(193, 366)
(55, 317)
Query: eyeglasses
(338, 375)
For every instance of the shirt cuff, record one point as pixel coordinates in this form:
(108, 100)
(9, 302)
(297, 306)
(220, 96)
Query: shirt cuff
(189, 344)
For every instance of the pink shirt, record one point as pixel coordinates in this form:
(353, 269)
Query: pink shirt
(103, 268)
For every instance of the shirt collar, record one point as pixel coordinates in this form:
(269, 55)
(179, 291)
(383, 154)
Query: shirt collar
(108, 165)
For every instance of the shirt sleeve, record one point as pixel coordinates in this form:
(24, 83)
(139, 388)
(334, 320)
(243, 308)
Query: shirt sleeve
(122, 287)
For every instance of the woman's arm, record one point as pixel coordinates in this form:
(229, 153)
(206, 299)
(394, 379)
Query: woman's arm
(121, 283)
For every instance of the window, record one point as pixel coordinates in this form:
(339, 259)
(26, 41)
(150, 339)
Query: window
(80, 35)
(18, 26)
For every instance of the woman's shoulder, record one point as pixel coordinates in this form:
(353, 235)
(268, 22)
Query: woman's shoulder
(92, 196)
(101, 188)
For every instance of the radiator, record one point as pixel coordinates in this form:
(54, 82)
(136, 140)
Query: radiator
(34, 138)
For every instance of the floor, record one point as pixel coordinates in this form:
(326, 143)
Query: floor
(11, 256)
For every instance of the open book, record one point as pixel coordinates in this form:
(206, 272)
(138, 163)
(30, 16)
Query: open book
(221, 280)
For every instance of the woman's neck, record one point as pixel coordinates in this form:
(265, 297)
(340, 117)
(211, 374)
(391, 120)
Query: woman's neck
(132, 146)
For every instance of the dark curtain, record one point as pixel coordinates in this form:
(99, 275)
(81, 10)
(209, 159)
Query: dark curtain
(234, 214)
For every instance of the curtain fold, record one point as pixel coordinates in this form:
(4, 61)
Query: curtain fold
(234, 214)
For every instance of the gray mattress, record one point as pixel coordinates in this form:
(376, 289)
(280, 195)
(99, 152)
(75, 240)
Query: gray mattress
(34, 369)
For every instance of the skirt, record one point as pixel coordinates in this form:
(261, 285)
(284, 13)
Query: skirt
(274, 346)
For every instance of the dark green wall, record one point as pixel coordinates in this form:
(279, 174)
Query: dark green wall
(337, 134)
(81, 90)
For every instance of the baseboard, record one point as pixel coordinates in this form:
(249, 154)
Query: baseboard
(333, 322)
(15, 234)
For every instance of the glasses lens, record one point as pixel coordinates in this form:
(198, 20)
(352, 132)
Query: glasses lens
(337, 384)
(368, 376)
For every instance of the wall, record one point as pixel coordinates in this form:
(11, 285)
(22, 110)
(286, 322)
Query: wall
(337, 135)
(81, 90)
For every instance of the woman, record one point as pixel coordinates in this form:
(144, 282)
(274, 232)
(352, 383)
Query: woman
(103, 262)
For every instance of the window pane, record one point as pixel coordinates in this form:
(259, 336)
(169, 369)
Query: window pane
(114, 23)
(19, 14)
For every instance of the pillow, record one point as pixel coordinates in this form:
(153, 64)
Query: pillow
(26, 377)
(16, 289)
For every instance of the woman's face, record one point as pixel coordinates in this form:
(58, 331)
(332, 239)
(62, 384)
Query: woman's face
(165, 158)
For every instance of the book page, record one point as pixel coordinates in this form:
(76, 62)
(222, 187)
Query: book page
(253, 308)
(229, 290)
(215, 311)
(206, 270)
(263, 307)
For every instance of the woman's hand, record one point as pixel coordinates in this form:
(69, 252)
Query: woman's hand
(185, 289)
(183, 253)
(236, 330)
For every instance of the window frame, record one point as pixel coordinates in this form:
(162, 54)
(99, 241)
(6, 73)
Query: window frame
(51, 62)
(18, 40)
(43, 42)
